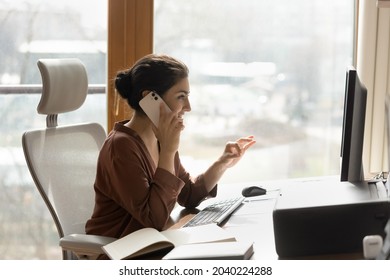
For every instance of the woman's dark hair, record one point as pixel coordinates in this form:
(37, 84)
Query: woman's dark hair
(153, 72)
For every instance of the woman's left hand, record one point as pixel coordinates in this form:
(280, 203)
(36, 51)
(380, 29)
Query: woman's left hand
(235, 150)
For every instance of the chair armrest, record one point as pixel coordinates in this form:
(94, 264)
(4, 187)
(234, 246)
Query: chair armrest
(85, 245)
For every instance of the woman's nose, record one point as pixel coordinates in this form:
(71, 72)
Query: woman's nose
(187, 106)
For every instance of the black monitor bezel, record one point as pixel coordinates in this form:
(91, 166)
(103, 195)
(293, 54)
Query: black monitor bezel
(355, 100)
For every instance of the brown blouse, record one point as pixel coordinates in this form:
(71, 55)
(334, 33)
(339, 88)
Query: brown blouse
(132, 193)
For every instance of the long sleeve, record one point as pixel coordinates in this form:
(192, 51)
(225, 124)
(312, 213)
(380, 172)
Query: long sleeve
(194, 191)
(131, 193)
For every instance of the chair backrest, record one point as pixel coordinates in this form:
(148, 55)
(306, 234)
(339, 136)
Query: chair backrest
(62, 159)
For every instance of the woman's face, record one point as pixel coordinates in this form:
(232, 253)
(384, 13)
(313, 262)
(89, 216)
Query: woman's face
(177, 97)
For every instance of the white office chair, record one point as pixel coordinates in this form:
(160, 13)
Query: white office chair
(62, 159)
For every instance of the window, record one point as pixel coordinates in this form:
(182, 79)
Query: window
(275, 70)
(45, 29)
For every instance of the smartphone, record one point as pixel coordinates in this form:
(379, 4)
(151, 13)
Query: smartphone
(151, 106)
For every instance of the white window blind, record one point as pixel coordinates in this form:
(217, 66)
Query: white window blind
(373, 53)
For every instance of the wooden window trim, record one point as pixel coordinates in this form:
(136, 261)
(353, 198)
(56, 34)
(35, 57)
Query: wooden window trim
(130, 37)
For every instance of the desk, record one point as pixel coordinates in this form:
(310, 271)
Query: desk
(253, 221)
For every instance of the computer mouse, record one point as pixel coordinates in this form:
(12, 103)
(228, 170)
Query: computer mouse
(253, 191)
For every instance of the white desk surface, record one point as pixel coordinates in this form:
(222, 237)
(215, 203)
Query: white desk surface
(253, 221)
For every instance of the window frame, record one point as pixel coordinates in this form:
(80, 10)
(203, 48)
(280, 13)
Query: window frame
(130, 36)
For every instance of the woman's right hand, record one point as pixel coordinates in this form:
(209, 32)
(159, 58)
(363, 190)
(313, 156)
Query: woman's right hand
(168, 131)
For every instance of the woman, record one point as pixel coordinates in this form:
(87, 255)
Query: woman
(139, 175)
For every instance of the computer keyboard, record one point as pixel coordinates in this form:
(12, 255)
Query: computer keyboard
(215, 213)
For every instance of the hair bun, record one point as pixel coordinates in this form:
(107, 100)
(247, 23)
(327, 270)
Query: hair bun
(123, 84)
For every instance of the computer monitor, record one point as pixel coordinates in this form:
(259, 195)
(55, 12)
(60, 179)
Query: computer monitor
(355, 100)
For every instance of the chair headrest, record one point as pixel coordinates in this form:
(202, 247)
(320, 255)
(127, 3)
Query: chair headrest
(64, 85)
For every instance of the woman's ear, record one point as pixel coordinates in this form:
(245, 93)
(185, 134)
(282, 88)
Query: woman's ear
(145, 92)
